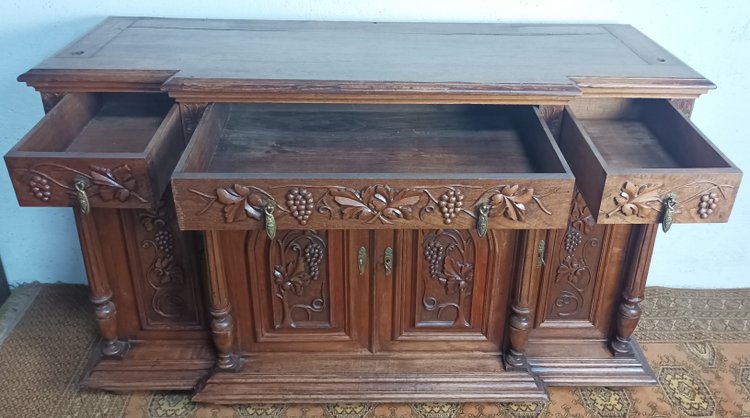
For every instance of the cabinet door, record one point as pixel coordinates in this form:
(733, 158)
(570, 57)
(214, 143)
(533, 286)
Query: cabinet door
(447, 286)
(305, 291)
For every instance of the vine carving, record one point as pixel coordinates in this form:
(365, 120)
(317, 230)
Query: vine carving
(301, 255)
(378, 203)
(449, 255)
(108, 184)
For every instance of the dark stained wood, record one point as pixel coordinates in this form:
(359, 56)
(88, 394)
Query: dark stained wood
(629, 155)
(324, 153)
(377, 148)
(355, 378)
(436, 297)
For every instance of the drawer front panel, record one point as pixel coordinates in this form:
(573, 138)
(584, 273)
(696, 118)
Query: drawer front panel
(519, 203)
(119, 161)
(642, 161)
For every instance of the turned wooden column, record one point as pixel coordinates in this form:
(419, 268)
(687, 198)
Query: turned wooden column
(222, 324)
(99, 285)
(640, 248)
(524, 298)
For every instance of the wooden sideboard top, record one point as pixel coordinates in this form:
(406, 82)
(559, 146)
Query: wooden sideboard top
(305, 61)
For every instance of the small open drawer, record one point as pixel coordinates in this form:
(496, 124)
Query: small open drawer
(114, 150)
(371, 166)
(638, 160)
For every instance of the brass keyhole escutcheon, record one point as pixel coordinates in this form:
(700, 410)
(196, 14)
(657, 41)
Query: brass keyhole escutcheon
(80, 184)
(388, 260)
(670, 202)
(362, 260)
(541, 248)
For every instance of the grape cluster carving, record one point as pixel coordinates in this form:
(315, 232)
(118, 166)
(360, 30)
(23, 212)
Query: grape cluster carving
(300, 203)
(40, 187)
(434, 252)
(707, 204)
(450, 204)
(313, 256)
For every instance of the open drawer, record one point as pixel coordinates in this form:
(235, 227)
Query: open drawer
(112, 150)
(642, 161)
(371, 166)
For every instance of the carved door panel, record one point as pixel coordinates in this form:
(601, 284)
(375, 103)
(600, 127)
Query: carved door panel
(579, 286)
(306, 291)
(446, 285)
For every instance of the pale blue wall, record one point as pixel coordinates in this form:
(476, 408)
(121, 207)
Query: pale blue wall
(713, 37)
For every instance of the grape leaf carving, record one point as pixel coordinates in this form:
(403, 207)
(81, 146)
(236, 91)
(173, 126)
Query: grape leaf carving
(240, 203)
(511, 201)
(117, 183)
(378, 202)
(634, 200)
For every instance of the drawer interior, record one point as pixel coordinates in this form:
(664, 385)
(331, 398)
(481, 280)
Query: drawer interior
(356, 139)
(641, 133)
(103, 123)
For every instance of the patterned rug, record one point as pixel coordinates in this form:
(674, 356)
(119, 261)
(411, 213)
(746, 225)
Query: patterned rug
(698, 342)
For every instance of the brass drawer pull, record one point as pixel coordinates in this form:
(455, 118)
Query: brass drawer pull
(270, 221)
(361, 260)
(388, 260)
(80, 184)
(483, 213)
(670, 201)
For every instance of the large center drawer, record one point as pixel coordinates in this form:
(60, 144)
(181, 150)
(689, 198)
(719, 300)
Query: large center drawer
(640, 161)
(371, 166)
(107, 150)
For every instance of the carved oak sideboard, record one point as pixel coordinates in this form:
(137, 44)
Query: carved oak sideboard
(338, 211)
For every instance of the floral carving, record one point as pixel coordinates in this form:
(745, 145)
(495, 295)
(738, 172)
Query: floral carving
(376, 203)
(511, 202)
(634, 200)
(117, 183)
(107, 184)
(241, 202)
(639, 200)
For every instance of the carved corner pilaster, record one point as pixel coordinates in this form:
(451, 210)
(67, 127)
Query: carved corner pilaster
(222, 323)
(640, 249)
(524, 297)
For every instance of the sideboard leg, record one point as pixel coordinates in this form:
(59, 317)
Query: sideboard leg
(101, 292)
(222, 324)
(524, 297)
(641, 247)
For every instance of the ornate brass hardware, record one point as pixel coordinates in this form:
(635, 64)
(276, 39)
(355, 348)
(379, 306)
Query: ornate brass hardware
(80, 184)
(270, 221)
(388, 260)
(483, 219)
(361, 260)
(669, 202)
(540, 249)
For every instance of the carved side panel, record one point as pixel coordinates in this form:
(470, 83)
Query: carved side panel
(571, 291)
(168, 284)
(300, 280)
(446, 284)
